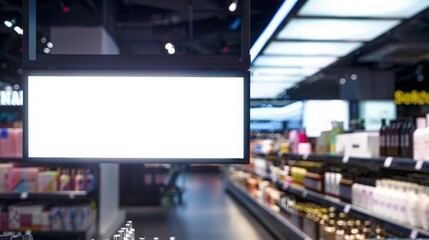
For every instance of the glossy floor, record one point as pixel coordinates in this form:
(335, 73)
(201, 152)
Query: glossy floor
(207, 213)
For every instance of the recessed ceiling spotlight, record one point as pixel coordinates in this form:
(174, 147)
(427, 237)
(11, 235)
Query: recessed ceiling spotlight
(169, 46)
(10, 23)
(343, 81)
(171, 51)
(18, 30)
(233, 6)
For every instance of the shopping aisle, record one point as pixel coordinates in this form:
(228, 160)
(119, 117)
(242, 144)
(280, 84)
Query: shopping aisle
(208, 213)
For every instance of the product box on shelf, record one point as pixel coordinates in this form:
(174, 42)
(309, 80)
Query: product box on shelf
(4, 220)
(71, 218)
(23, 216)
(23, 179)
(360, 144)
(4, 175)
(47, 181)
(10, 142)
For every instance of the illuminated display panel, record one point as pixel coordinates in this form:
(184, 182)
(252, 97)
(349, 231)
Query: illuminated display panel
(105, 117)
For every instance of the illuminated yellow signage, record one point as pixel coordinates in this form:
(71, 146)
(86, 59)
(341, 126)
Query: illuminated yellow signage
(411, 98)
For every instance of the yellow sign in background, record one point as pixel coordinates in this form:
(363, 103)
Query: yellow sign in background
(411, 98)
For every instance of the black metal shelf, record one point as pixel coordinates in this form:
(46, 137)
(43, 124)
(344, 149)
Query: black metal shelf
(10, 159)
(63, 195)
(405, 164)
(324, 200)
(87, 234)
(278, 226)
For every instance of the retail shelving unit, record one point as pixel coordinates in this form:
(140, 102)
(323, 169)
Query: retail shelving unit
(402, 164)
(324, 200)
(89, 233)
(278, 226)
(60, 197)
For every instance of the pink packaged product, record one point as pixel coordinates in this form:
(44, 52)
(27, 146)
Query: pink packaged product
(23, 179)
(25, 216)
(11, 142)
(4, 220)
(4, 176)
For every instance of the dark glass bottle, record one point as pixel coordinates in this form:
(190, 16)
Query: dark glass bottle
(390, 138)
(383, 133)
(407, 131)
(397, 139)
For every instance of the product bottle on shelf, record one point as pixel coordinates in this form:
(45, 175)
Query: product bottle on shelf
(407, 139)
(388, 135)
(394, 138)
(65, 181)
(412, 206)
(418, 138)
(89, 180)
(337, 128)
(426, 140)
(79, 181)
(383, 132)
(425, 209)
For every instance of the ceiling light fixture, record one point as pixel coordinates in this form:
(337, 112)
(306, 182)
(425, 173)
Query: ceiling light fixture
(10, 23)
(261, 71)
(233, 6)
(171, 51)
(272, 26)
(336, 29)
(18, 30)
(168, 46)
(363, 8)
(311, 48)
(294, 61)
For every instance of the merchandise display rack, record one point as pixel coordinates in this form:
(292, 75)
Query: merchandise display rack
(278, 226)
(403, 164)
(63, 195)
(8, 160)
(88, 234)
(325, 200)
(57, 197)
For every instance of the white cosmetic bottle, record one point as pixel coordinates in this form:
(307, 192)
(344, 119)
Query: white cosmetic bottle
(425, 140)
(418, 137)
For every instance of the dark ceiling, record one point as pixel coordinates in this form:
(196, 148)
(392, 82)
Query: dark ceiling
(404, 51)
(138, 26)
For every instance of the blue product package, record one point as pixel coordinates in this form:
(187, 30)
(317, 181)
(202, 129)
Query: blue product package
(4, 133)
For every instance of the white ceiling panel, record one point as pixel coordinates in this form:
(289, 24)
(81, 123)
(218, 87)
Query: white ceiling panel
(268, 90)
(336, 29)
(256, 71)
(364, 8)
(286, 61)
(311, 48)
(276, 78)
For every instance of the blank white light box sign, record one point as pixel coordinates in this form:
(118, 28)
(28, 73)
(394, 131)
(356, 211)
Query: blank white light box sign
(136, 118)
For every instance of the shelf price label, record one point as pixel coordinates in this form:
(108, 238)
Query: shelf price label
(419, 165)
(305, 156)
(23, 195)
(347, 208)
(413, 234)
(388, 162)
(71, 195)
(304, 194)
(285, 186)
(346, 159)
